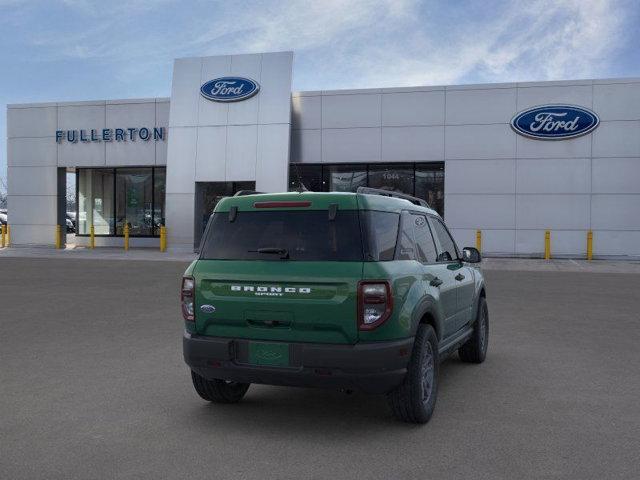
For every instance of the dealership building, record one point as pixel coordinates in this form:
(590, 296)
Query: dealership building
(512, 159)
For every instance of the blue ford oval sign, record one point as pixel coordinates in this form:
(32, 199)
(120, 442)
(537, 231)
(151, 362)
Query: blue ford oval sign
(555, 122)
(229, 89)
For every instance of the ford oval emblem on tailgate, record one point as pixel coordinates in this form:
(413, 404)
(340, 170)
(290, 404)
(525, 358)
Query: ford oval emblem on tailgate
(207, 308)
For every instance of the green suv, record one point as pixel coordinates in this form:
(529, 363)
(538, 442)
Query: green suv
(356, 291)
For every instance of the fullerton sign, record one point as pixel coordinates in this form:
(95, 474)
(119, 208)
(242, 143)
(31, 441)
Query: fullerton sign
(555, 122)
(110, 135)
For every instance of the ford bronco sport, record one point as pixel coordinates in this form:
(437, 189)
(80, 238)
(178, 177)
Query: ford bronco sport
(356, 291)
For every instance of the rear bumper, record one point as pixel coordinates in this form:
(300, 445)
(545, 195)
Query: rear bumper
(375, 367)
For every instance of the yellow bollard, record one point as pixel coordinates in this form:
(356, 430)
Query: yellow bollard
(479, 240)
(8, 235)
(589, 245)
(547, 244)
(3, 234)
(126, 237)
(92, 237)
(163, 238)
(58, 237)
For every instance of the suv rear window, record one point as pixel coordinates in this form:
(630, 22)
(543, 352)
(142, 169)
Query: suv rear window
(305, 235)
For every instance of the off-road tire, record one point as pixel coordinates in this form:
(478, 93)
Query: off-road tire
(410, 402)
(219, 391)
(475, 349)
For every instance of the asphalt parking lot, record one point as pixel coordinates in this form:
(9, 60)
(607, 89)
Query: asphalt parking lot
(92, 385)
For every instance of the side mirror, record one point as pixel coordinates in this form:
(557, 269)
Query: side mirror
(471, 255)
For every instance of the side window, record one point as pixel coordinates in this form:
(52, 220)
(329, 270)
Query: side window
(406, 245)
(447, 248)
(424, 241)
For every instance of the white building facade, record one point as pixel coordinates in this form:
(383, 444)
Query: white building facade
(573, 167)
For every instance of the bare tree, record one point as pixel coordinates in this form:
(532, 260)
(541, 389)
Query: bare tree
(3, 193)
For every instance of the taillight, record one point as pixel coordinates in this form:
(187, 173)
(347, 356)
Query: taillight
(187, 294)
(375, 303)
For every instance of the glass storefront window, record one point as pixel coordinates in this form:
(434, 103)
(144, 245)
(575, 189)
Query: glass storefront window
(309, 175)
(344, 178)
(392, 177)
(159, 193)
(110, 198)
(430, 185)
(95, 201)
(134, 191)
(423, 180)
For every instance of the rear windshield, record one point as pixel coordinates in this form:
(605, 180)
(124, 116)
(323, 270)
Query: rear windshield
(297, 235)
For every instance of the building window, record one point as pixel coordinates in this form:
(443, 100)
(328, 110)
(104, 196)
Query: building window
(423, 180)
(95, 201)
(111, 198)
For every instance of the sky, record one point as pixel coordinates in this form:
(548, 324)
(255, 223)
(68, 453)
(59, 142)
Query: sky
(87, 50)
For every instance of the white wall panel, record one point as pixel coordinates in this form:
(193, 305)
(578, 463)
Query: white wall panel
(493, 241)
(179, 218)
(479, 142)
(242, 152)
(574, 148)
(412, 144)
(495, 105)
(351, 145)
(306, 146)
(137, 152)
(35, 152)
(40, 235)
(479, 211)
(162, 120)
(617, 102)
(32, 122)
(81, 154)
(246, 111)
(617, 139)
(569, 212)
(275, 95)
(208, 112)
(32, 180)
(82, 117)
(185, 92)
(181, 168)
(306, 112)
(563, 242)
(616, 243)
(558, 175)
(616, 175)
(479, 176)
(272, 168)
(32, 209)
(615, 212)
(346, 111)
(412, 108)
(211, 154)
(541, 95)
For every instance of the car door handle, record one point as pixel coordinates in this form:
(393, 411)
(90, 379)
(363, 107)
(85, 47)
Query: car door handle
(436, 282)
(459, 277)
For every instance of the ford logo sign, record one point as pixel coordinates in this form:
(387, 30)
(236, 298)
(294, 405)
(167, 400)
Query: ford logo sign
(229, 89)
(207, 308)
(555, 122)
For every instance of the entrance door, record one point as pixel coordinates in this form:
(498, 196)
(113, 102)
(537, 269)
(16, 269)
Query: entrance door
(208, 194)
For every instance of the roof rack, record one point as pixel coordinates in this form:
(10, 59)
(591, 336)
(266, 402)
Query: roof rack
(388, 193)
(242, 193)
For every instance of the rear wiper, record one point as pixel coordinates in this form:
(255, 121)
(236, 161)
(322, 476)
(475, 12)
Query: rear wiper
(283, 252)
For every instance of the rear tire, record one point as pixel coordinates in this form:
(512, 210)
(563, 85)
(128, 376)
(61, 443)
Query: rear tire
(218, 391)
(475, 349)
(415, 400)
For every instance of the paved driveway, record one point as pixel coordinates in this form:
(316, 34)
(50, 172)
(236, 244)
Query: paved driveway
(92, 385)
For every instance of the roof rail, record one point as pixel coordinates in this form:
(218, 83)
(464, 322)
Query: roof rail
(242, 193)
(388, 193)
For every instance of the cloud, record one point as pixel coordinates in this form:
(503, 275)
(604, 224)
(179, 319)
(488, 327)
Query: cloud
(364, 43)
